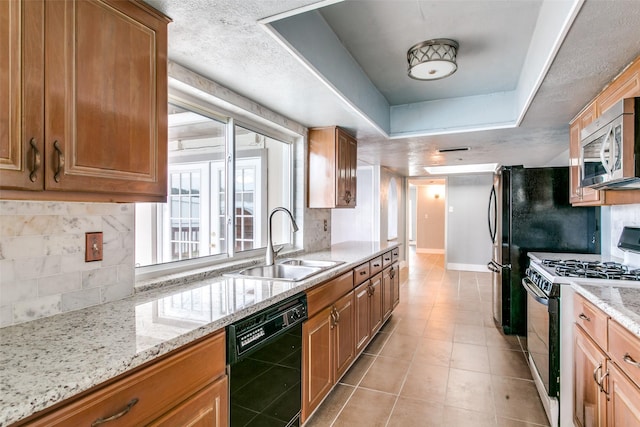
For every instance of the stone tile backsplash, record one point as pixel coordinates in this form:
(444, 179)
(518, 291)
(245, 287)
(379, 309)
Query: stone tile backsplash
(42, 266)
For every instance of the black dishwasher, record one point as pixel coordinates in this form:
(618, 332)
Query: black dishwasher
(264, 354)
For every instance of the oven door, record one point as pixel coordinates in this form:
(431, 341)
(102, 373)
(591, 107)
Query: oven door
(543, 335)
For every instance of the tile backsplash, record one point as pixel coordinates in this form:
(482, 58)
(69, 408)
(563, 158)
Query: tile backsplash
(42, 250)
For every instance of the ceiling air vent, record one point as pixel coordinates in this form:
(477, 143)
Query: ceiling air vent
(451, 150)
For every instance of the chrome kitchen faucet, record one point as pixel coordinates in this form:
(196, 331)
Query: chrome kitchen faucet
(271, 254)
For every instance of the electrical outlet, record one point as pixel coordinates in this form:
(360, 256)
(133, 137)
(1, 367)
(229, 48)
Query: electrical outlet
(93, 248)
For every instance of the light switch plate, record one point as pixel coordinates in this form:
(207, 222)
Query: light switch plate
(93, 247)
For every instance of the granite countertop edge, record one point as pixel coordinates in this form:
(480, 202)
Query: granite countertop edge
(12, 411)
(629, 317)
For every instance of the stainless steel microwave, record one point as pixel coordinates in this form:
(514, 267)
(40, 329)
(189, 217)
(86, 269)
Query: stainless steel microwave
(610, 148)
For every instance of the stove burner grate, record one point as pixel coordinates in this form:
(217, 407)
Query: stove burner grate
(592, 269)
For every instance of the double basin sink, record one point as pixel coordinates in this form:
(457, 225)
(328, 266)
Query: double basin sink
(291, 270)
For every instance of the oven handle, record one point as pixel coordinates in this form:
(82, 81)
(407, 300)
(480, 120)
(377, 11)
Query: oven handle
(535, 293)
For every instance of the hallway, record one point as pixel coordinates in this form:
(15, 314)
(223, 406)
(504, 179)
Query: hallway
(439, 361)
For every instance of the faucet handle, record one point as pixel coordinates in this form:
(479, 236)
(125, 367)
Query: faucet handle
(276, 251)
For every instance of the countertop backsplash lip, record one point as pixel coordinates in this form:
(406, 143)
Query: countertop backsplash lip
(46, 361)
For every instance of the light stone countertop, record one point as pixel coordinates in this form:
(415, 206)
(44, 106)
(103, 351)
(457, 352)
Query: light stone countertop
(621, 301)
(48, 360)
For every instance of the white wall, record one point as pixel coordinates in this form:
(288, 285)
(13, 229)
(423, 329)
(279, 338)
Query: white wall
(468, 242)
(614, 219)
(430, 219)
(357, 223)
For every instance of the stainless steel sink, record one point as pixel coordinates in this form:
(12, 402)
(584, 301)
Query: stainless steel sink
(292, 273)
(292, 270)
(310, 263)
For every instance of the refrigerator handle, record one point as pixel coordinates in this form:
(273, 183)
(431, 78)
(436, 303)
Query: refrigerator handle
(493, 198)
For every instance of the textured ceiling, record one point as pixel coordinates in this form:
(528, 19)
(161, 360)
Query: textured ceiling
(222, 40)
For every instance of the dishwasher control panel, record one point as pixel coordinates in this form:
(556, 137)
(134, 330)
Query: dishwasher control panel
(250, 333)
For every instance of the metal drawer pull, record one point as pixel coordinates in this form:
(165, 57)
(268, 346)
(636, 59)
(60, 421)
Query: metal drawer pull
(584, 317)
(630, 360)
(362, 273)
(60, 168)
(376, 265)
(120, 414)
(37, 160)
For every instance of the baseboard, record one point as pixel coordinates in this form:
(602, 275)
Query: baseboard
(429, 251)
(468, 267)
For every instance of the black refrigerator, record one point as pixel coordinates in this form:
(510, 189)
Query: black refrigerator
(529, 211)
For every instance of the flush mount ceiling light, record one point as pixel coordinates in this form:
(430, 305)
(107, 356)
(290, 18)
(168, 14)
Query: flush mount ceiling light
(432, 59)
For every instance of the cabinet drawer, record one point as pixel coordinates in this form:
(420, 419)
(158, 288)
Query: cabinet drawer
(591, 319)
(157, 388)
(395, 254)
(387, 259)
(361, 273)
(624, 348)
(375, 265)
(323, 295)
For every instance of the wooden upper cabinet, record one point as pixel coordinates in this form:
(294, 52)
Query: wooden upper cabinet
(21, 88)
(625, 85)
(104, 93)
(332, 168)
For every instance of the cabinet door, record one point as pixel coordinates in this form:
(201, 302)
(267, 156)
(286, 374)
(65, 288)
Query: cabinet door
(387, 292)
(21, 101)
(346, 153)
(317, 368)
(362, 316)
(105, 98)
(206, 408)
(589, 408)
(624, 400)
(580, 195)
(375, 301)
(345, 343)
(395, 284)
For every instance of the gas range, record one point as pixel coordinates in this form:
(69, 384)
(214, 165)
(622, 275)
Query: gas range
(549, 270)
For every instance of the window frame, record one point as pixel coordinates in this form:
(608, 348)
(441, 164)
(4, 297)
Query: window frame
(231, 119)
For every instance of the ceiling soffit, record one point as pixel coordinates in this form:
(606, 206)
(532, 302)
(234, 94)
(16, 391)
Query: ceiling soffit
(307, 35)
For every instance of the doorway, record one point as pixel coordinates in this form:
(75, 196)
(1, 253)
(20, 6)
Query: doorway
(427, 215)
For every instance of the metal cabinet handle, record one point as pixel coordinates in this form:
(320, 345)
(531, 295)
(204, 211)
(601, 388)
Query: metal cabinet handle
(392, 273)
(37, 159)
(362, 273)
(630, 360)
(584, 317)
(120, 414)
(60, 167)
(601, 383)
(335, 310)
(595, 375)
(376, 265)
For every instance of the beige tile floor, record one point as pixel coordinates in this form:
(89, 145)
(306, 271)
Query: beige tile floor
(438, 361)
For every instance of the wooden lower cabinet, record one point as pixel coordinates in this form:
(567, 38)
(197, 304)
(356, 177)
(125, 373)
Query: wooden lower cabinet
(207, 408)
(375, 302)
(589, 405)
(362, 316)
(624, 400)
(328, 349)
(390, 290)
(606, 388)
(188, 387)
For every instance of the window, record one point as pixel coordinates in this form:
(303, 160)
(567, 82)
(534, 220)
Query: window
(199, 214)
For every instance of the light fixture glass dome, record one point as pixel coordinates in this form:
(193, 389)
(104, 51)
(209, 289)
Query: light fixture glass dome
(432, 59)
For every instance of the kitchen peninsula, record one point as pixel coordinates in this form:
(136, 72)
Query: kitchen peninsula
(47, 361)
